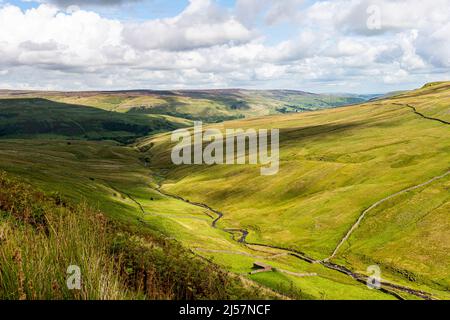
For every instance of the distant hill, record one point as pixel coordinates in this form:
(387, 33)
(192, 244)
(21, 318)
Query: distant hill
(205, 105)
(38, 117)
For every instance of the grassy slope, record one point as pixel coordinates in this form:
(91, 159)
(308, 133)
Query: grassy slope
(414, 227)
(42, 234)
(208, 105)
(109, 177)
(78, 169)
(334, 164)
(40, 239)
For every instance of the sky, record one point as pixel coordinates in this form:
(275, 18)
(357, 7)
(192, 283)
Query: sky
(358, 46)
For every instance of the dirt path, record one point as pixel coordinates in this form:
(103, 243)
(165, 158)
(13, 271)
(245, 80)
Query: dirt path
(376, 204)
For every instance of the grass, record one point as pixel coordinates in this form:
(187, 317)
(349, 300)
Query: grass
(80, 170)
(42, 235)
(40, 240)
(404, 226)
(334, 164)
(313, 288)
(105, 176)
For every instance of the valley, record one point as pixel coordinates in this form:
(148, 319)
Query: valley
(358, 186)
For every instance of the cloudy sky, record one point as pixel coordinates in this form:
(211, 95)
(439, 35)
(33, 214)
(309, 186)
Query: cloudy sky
(360, 46)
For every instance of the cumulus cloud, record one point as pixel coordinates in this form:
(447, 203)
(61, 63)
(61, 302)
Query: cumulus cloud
(434, 45)
(283, 10)
(202, 24)
(357, 16)
(48, 36)
(272, 11)
(247, 11)
(417, 27)
(329, 46)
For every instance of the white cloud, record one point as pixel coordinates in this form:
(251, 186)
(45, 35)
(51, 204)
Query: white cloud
(248, 11)
(202, 24)
(434, 45)
(47, 36)
(207, 45)
(398, 76)
(283, 10)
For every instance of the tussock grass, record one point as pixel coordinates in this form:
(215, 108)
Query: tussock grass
(41, 238)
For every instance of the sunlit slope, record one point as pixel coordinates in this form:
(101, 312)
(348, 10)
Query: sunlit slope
(112, 178)
(78, 170)
(334, 164)
(432, 100)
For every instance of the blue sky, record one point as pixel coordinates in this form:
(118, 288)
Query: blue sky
(361, 46)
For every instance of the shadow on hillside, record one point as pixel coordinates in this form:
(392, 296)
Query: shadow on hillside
(300, 134)
(27, 118)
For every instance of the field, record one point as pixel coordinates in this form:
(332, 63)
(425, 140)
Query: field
(334, 164)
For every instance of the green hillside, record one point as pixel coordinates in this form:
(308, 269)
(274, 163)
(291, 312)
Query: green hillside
(42, 234)
(116, 180)
(358, 186)
(334, 164)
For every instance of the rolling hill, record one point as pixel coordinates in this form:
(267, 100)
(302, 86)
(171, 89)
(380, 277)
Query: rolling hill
(335, 164)
(358, 186)
(205, 105)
